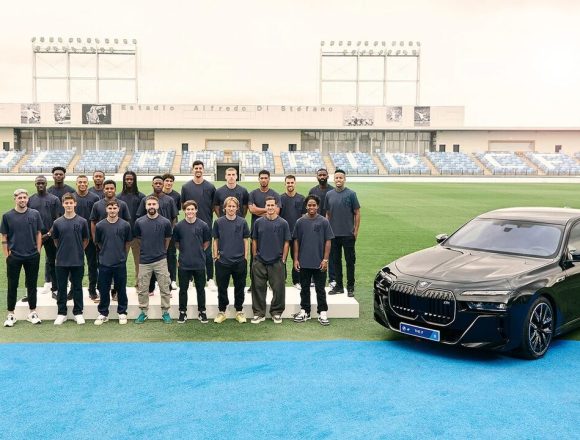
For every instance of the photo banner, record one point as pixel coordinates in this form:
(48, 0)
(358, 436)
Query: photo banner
(422, 116)
(30, 113)
(394, 114)
(62, 113)
(357, 117)
(95, 114)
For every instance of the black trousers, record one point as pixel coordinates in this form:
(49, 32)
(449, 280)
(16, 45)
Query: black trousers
(76, 279)
(238, 272)
(172, 260)
(106, 276)
(50, 258)
(185, 276)
(92, 265)
(337, 245)
(13, 268)
(209, 262)
(295, 273)
(319, 277)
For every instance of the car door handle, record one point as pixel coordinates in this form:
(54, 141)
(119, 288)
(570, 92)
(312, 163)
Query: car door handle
(559, 279)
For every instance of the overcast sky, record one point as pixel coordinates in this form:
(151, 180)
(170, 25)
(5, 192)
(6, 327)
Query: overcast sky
(510, 63)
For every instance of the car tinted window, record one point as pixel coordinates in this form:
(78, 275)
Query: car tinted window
(508, 236)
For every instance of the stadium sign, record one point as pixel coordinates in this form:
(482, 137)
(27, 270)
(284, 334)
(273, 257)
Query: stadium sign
(228, 108)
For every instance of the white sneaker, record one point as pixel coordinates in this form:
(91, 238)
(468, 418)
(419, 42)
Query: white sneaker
(297, 286)
(79, 319)
(173, 285)
(33, 317)
(277, 319)
(323, 319)
(60, 319)
(257, 319)
(211, 284)
(332, 284)
(47, 288)
(10, 320)
(101, 319)
(122, 319)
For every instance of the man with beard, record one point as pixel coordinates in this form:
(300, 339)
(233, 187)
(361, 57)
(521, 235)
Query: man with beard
(166, 208)
(291, 210)
(312, 235)
(112, 236)
(98, 182)
(155, 232)
(231, 189)
(320, 191)
(132, 197)
(85, 202)
(21, 241)
(50, 209)
(202, 192)
(168, 181)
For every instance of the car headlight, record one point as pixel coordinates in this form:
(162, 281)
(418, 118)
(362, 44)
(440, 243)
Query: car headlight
(486, 292)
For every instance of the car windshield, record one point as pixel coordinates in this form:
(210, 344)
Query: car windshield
(508, 236)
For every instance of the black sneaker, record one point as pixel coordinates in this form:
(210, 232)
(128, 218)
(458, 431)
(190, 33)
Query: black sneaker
(69, 295)
(94, 297)
(24, 299)
(54, 295)
(336, 290)
(350, 292)
(202, 317)
(182, 318)
(114, 296)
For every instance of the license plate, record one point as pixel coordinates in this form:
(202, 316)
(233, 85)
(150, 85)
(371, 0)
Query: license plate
(419, 332)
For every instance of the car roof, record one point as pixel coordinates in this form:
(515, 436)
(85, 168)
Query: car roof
(559, 216)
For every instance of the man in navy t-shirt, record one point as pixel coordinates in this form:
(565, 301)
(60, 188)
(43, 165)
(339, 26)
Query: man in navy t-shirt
(154, 231)
(21, 241)
(270, 237)
(231, 189)
(291, 209)
(192, 237)
(168, 181)
(312, 235)
(71, 236)
(112, 237)
(230, 253)
(98, 184)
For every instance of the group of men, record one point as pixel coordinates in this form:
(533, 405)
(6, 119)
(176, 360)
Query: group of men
(102, 226)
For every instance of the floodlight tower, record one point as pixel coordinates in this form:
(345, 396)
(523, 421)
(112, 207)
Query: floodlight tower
(354, 53)
(63, 54)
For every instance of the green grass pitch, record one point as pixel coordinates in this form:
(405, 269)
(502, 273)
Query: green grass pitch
(397, 218)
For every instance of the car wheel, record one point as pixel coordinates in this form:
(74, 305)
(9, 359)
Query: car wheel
(538, 328)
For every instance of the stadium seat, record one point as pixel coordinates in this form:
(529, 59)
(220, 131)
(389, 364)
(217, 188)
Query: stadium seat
(354, 163)
(251, 162)
(404, 163)
(152, 162)
(44, 161)
(8, 159)
(301, 162)
(208, 157)
(558, 164)
(506, 163)
(453, 163)
(106, 161)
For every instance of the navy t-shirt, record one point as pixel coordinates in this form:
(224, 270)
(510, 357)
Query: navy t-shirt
(239, 192)
(292, 208)
(312, 234)
(99, 192)
(191, 237)
(231, 235)
(85, 204)
(59, 192)
(271, 236)
(167, 207)
(203, 194)
(152, 232)
(48, 206)
(258, 198)
(133, 201)
(111, 239)
(21, 228)
(321, 194)
(176, 197)
(70, 233)
(341, 206)
(99, 211)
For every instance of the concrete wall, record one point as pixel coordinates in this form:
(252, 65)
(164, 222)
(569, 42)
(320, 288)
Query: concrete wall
(7, 135)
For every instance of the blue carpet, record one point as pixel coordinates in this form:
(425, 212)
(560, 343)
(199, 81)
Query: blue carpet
(332, 389)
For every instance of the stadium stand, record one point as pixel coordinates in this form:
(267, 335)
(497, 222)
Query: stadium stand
(453, 163)
(152, 162)
(555, 163)
(303, 162)
(354, 163)
(252, 162)
(8, 159)
(505, 163)
(44, 161)
(106, 161)
(404, 163)
(209, 159)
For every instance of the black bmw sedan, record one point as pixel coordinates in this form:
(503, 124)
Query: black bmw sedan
(507, 280)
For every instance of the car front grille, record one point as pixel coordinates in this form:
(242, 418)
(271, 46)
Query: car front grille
(433, 306)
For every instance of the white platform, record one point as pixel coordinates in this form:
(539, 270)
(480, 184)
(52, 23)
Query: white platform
(339, 306)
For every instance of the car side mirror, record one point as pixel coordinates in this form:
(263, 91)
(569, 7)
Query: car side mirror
(573, 254)
(440, 238)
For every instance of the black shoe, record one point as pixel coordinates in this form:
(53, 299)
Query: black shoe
(94, 297)
(350, 292)
(202, 317)
(182, 318)
(336, 290)
(54, 295)
(114, 296)
(24, 299)
(69, 296)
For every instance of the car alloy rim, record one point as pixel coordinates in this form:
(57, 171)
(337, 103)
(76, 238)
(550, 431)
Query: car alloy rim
(540, 328)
